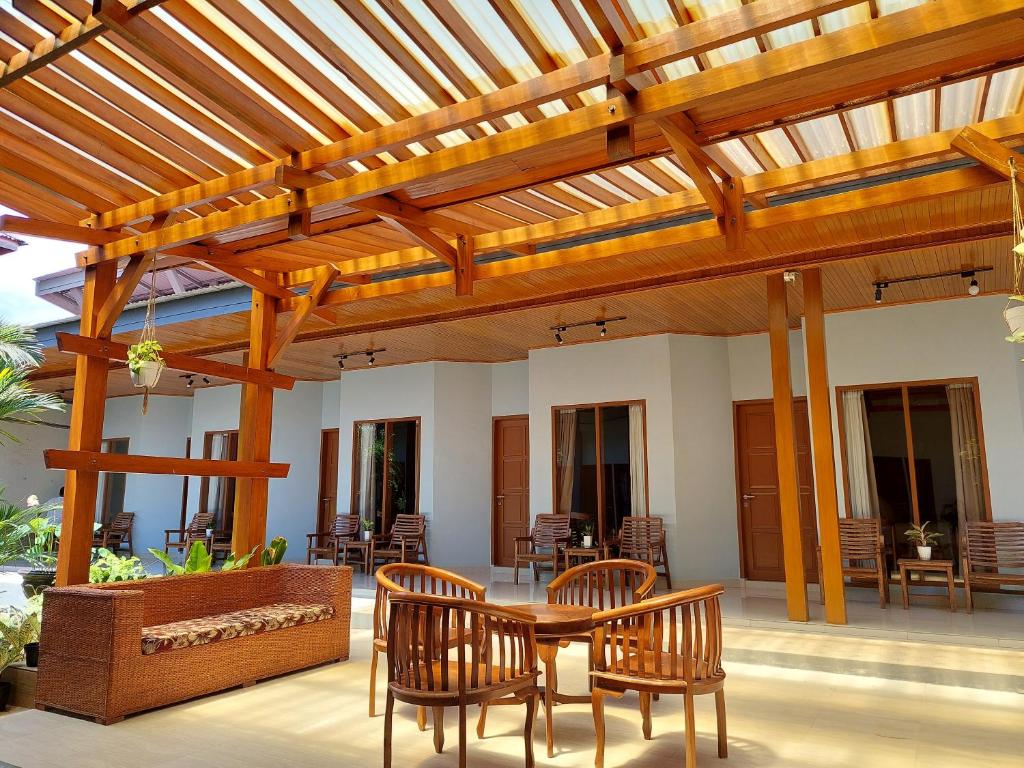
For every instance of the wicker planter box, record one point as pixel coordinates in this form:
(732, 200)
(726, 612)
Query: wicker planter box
(91, 651)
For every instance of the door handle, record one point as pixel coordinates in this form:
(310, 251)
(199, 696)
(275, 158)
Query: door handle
(748, 496)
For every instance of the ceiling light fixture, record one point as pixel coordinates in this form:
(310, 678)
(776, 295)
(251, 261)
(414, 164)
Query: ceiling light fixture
(370, 355)
(973, 288)
(189, 379)
(601, 323)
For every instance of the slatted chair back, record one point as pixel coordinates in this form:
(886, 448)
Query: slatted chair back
(859, 539)
(407, 526)
(345, 527)
(548, 529)
(422, 657)
(421, 579)
(122, 523)
(604, 584)
(641, 534)
(995, 545)
(681, 634)
(199, 524)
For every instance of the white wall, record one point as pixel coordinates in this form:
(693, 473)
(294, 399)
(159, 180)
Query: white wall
(510, 388)
(330, 397)
(22, 473)
(750, 366)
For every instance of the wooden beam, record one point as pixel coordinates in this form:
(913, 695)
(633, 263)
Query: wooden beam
(385, 205)
(99, 461)
(819, 401)
(426, 238)
(295, 178)
(734, 220)
(304, 308)
(53, 230)
(121, 294)
(988, 152)
(86, 434)
(299, 225)
(104, 349)
(464, 266)
(695, 163)
(785, 449)
(259, 282)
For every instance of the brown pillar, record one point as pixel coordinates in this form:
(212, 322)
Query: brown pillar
(819, 398)
(86, 434)
(785, 449)
(250, 519)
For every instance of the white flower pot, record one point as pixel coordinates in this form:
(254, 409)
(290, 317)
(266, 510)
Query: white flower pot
(1014, 316)
(367, 535)
(588, 541)
(924, 553)
(148, 374)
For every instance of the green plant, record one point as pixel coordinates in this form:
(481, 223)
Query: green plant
(18, 628)
(274, 554)
(41, 535)
(198, 560)
(144, 352)
(366, 524)
(587, 529)
(13, 518)
(919, 536)
(110, 567)
(19, 403)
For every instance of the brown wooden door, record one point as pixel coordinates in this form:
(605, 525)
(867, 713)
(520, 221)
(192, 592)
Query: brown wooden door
(760, 519)
(327, 501)
(511, 503)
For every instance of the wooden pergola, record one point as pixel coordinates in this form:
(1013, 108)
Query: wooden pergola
(409, 174)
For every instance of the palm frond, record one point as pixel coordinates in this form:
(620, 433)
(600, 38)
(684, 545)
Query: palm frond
(20, 404)
(19, 347)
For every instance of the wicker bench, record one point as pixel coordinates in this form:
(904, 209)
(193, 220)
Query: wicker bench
(113, 649)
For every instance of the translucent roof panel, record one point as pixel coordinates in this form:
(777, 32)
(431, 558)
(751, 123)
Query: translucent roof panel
(914, 114)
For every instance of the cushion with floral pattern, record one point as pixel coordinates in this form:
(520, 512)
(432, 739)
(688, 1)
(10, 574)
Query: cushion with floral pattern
(224, 626)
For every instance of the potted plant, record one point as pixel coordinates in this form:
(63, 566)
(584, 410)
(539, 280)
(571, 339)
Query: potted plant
(145, 363)
(923, 539)
(41, 553)
(111, 567)
(367, 529)
(17, 629)
(587, 529)
(1014, 317)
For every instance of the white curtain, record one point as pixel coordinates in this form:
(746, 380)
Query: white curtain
(367, 472)
(637, 460)
(860, 465)
(970, 503)
(216, 494)
(566, 459)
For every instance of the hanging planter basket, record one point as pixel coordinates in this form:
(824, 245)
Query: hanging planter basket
(1013, 313)
(144, 361)
(148, 373)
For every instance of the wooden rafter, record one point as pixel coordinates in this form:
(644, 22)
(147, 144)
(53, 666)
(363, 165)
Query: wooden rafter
(464, 266)
(695, 162)
(990, 153)
(121, 294)
(98, 461)
(305, 307)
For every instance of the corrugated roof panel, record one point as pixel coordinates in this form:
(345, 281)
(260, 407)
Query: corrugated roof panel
(794, 33)
(958, 103)
(672, 170)
(869, 125)
(490, 28)
(1004, 95)
(779, 147)
(452, 47)
(823, 136)
(737, 151)
(645, 182)
(914, 114)
(847, 17)
(550, 27)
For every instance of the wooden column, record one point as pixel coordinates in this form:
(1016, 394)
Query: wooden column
(86, 434)
(785, 449)
(250, 520)
(819, 399)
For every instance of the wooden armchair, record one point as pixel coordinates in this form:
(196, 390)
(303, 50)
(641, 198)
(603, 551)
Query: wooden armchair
(862, 554)
(180, 539)
(116, 533)
(986, 549)
(330, 544)
(411, 577)
(407, 541)
(426, 670)
(550, 532)
(643, 538)
(664, 645)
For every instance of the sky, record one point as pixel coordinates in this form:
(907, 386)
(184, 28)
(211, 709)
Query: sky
(18, 300)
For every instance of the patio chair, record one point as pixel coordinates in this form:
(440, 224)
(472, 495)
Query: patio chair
(406, 543)
(180, 539)
(551, 533)
(500, 661)
(330, 544)
(411, 577)
(116, 533)
(862, 554)
(987, 549)
(643, 538)
(665, 645)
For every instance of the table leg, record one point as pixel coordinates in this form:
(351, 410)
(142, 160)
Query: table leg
(905, 587)
(950, 588)
(547, 653)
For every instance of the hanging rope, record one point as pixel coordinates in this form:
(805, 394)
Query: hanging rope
(149, 325)
(1018, 230)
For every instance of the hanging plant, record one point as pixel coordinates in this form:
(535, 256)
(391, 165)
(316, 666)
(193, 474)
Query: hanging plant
(144, 361)
(1014, 311)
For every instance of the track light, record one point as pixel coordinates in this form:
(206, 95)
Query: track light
(341, 363)
(604, 329)
(370, 354)
(205, 380)
(189, 380)
(558, 336)
(878, 294)
(602, 324)
(372, 359)
(973, 289)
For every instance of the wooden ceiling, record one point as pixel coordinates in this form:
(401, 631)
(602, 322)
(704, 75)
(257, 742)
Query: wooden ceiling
(436, 179)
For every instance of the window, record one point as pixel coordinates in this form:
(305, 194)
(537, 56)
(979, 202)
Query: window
(385, 470)
(217, 494)
(914, 453)
(113, 483)
(600, 473)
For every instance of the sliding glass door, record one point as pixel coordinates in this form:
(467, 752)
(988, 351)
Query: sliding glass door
(385, 470)
(217, 494)
(600, 473)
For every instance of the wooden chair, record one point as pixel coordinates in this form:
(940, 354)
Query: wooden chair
(425, 669)
(986, 549)
(116, 533)
(643, 538)
(330, 544)
(411, 577)
(407, 541)
(862, 554)
(664, 645)
(181, 539)
(550, 532)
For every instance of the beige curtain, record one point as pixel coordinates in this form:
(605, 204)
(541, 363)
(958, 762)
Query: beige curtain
(367, 472)
(860, 465)
(970, 502)
(566, 459)
(637, 461)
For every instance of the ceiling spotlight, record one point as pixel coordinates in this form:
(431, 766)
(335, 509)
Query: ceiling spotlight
(878, 294)
(558, 336)
(372, 359)
(973, 289)
(188, 381)
(789, 276)
(205, 380)
(604, 329)
(341, 363)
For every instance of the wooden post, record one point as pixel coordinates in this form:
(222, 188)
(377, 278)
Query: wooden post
(820, 409)
(250, 519)
(785, 449)
(86, 434)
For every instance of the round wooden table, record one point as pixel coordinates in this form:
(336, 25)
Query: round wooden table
(555, 626)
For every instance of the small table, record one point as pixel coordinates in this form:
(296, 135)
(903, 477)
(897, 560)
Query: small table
(907, 567)
(595, 553)
(366, 546)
